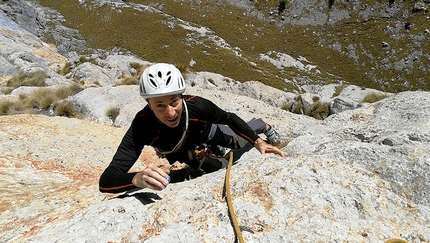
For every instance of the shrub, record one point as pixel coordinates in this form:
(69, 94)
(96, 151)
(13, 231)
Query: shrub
(112, 112)
(318, 110)
(66, 108)
(298, 106)
(374, 97)
(36, 78)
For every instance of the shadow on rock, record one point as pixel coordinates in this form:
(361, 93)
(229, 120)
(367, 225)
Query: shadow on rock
(144, 197)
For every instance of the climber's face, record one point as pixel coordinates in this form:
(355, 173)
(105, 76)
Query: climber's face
(167, 109)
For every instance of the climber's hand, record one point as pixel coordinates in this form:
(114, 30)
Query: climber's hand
(264, 147)
(151, 177)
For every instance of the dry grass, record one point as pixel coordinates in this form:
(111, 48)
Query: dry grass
(287, 106)
(65, 69)
(7, 90)
(374, 97)
(129, 81)
(134, 79)
(112, 112)
(41, 100)
(319, 110)
(297, 106)
(65, 91)
(66, 108)
(8, 107)
(36, 78)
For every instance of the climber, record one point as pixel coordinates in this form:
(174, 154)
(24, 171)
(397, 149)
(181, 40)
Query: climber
(175, 125)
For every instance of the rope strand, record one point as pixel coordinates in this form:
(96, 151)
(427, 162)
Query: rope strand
(229, 202)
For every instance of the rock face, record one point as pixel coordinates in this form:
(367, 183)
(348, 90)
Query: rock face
(359, 176)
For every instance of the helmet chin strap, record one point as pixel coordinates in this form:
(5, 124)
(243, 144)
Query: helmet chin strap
(179, 144)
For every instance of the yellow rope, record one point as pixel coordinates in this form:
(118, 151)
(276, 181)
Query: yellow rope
(229, 203)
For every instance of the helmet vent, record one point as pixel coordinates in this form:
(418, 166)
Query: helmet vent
(153, 82)
(160, 74)
(168, 81)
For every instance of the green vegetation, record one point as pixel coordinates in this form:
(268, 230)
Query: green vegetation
(41, 100)
(354, 60)
(36, 78)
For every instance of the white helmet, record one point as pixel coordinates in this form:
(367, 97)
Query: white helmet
(161, 79)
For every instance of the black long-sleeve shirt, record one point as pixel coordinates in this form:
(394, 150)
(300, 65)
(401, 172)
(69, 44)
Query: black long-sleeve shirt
(146, 129)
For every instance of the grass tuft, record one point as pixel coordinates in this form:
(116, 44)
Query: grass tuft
(374, 97)
(128, 81)
(41, 100)
(36, 78)
(66, 108)
(65, 69)
(7, 90)
(319, 110)
(286, 106)
(134, 79)
(112, 112)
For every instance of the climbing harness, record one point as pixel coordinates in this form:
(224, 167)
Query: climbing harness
(229, 202)
(203, 152)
